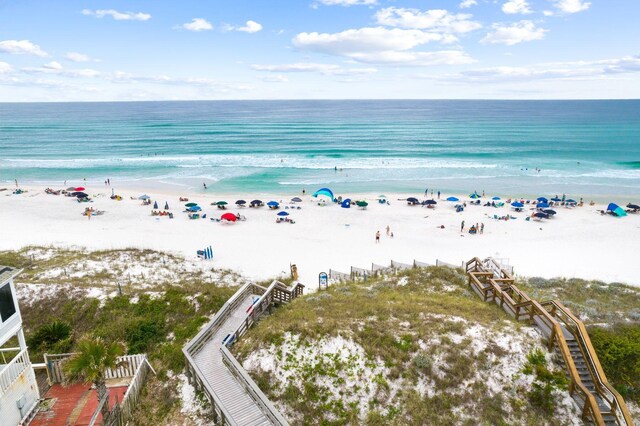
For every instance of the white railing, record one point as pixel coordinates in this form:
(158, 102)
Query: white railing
(13, 370)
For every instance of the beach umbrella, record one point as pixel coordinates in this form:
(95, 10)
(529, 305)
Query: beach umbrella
(549, 211)
(241, 203)
(475, 195)
(633, 206)
(256, 203)
(296, 199)
(570, 201)
(195, 208)
(77, 193)
(412, 200)
(346, 203)
(82, 195)
(430, 202)
(496, 198)
(166, 205)
(155, 205)
(542, 205)
(382, 196)
(144, 197)
(616, 210)
(453, 199)
(556, 199)
(71, 188)
(283, 213)
(541, 215)
(362, 203)
(80, 188)
(273, 204)
(221, 203)
(230, 217)
(517, 204)
(542, 199)
(324, 191)
(191, 204)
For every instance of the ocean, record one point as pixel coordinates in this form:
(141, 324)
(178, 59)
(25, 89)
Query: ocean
(581, 148)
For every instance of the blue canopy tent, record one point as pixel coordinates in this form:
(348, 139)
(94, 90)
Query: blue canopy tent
(346, 203)
(616, 210)
(324, 191)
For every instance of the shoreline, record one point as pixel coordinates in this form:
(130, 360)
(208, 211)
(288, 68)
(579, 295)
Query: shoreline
(579, 242)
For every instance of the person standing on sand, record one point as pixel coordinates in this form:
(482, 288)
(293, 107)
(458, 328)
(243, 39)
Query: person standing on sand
(462, 226)
(388, 230)
(482, 228)
(377, 237)
(16, 183)
(438, 195)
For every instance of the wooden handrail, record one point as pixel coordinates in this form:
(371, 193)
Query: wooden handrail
(500, 296)
(595, 365)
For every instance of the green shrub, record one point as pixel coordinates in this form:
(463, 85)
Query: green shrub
(618, 349)
(48, 335)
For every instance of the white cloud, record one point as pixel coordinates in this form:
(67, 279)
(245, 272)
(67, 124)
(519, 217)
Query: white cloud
(250, 27)
(197, 24)
(53, 65)
(513, 7)
(21, 47)
(79, 57)
(515, 33)
(437, 20)
(443, 57)
(278, 78)
(465, 4)
(571, 6)
(118, 16)
(370, 39)
(327, 69)
(5, 68)
(348, 2)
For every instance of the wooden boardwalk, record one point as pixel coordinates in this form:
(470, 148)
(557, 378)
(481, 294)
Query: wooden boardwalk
(235, 398)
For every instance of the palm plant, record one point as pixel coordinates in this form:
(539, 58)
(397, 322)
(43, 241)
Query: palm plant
(93, 357)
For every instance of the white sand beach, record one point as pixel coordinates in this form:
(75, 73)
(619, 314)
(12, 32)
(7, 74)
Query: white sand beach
(578, 242)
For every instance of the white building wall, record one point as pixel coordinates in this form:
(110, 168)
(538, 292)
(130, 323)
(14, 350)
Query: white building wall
(25, 385)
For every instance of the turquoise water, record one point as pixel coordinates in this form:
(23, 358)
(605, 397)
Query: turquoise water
(580, 147)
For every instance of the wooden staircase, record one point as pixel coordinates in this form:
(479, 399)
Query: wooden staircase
(601, 404)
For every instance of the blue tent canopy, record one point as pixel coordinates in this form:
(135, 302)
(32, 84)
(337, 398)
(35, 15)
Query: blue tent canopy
(452, 199)
(346, 203)
(324, 191)
(517, 204)
(556, 199)
(616, 209)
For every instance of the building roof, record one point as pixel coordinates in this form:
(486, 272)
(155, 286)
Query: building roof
(6, 273)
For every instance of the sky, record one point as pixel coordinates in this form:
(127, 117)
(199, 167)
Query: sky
(115, 50)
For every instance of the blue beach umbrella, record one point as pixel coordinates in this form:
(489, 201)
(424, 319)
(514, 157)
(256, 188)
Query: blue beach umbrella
(453, 199)
(517, 204)
(542, 199)
(556, 199)
(273, 204)
(324, 191)
(542, 205)
(194, 209)
(346, 204)
(474, 195)
(570, 201)
(283, 213)
(496, 198)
